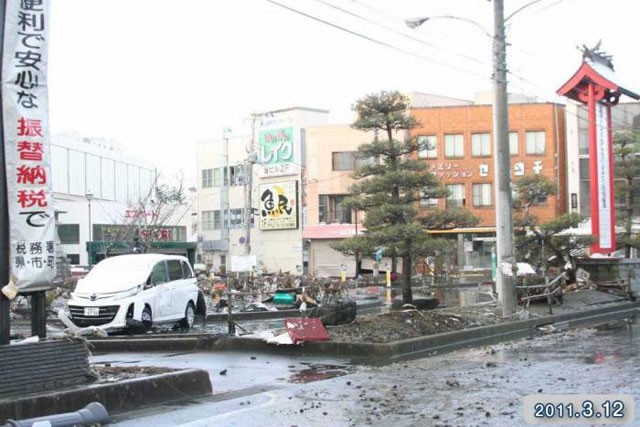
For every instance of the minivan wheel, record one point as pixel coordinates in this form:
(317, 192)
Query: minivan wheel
(146, 318)
(189, 316)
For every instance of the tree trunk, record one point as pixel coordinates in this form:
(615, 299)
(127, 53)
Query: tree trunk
(394, 263)
(407, 297)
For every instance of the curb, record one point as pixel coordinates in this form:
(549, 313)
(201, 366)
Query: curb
(280, 314)
(116, 397)
(375, 352)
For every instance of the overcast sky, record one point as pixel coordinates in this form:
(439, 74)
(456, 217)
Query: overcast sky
(158, 76)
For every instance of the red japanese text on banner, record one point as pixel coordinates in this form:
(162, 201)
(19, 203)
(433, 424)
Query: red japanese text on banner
(26, 138)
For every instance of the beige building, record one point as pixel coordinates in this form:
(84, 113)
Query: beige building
(331, 159)
(277, 192)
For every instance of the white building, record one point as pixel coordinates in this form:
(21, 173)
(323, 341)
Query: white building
(84, 168)
(276, 238)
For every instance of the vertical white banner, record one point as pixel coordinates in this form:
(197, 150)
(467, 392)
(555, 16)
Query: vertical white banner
(603, 173)
(25, 106)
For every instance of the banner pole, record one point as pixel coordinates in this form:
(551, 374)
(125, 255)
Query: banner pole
(5, 317)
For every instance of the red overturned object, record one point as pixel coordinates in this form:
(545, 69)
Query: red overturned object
(301, 330)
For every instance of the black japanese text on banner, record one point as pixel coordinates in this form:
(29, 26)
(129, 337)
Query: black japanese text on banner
(25, 106)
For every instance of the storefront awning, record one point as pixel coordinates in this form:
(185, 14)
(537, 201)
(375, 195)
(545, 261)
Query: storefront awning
(331, 231)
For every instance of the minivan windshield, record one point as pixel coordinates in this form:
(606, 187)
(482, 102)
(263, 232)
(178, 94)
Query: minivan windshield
(117, 274)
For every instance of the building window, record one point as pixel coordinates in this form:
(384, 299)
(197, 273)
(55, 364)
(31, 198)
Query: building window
(454, 146)
(345, 161)
(73, 259)
(456, 195)
(535, 142)
(237, 218)
(69, 234)
(210, 220)
(218, 175)
(236, 175)
(207, 178)
(323, 208)
(513, 143)
(342, 213)
(541, 201)
(364, 161)
(583, 142)
(427, 147)
(427, 203)
(480, 144)
(331, 209)
(481, 194)
(349, 160)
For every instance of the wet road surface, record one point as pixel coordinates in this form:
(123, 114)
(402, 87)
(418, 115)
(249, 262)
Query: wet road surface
(483, 386)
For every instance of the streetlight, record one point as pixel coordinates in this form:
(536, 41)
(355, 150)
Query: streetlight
(416, 22)
(505, 284)
(89, 197)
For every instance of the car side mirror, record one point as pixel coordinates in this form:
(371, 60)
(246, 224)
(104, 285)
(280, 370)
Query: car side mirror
(149, 283)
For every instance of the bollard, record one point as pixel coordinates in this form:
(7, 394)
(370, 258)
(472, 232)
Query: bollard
(93, 413)
(230, 323)
(388, 287)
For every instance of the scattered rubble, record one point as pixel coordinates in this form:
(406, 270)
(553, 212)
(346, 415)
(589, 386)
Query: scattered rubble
(105, 373)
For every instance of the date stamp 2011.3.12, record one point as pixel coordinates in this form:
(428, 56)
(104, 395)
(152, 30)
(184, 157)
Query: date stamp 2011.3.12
(579, 408)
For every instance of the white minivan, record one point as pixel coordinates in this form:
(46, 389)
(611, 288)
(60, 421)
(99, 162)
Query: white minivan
(132, 290)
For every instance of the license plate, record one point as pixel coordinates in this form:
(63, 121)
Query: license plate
(92, 311)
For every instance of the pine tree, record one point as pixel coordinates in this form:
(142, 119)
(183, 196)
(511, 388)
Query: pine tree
(626, 146)
(389, 189)
(544, 244)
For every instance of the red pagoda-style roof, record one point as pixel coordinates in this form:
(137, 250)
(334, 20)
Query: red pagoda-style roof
(591, 72)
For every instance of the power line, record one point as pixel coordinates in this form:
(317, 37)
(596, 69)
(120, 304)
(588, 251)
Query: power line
(376, 41)
(400, 33)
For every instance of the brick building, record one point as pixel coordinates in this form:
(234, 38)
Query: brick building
(460, 153)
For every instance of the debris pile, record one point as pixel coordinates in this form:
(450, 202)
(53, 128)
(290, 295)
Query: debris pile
(105, 373)
(397, 325)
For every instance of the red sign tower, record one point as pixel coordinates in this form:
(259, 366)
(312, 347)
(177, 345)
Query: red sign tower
(594, 85)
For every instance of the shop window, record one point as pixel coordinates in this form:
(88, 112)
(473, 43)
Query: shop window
(69, 234)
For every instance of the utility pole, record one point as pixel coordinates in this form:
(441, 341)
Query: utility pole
(224, 192)
(248, 186)
(505, 280)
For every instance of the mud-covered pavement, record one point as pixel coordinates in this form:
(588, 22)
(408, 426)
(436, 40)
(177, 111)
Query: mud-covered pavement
(467, 387)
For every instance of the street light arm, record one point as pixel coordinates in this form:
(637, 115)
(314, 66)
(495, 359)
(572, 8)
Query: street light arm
(521, 8)
(416, 22)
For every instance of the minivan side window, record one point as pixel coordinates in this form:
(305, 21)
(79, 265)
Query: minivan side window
(160, 273)
(187, 273)
(175, 271)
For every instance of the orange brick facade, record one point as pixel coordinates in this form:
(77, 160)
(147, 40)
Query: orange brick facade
(477, 119)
